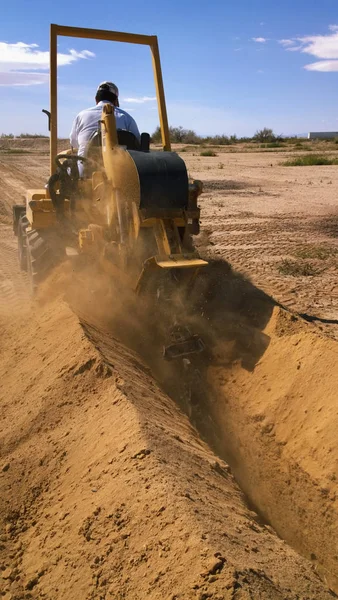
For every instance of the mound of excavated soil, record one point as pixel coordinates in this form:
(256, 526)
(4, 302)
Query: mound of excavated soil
(273, 399)
(108, 491)
(282, 420)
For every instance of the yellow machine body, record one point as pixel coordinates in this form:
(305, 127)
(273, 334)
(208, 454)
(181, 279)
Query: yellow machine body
(114, 204)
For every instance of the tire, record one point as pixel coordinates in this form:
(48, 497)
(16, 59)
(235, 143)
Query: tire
(33, 284)
(43, 252)
(19, 210)
(22, 242)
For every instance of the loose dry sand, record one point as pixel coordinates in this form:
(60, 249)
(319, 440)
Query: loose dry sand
(108, 490)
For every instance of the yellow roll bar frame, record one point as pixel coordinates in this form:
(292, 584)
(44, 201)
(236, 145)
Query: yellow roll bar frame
(112, 36)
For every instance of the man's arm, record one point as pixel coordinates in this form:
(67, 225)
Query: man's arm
(73, 134)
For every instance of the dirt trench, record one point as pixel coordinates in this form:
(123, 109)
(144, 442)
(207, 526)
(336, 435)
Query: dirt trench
(108, 491)
(268, 407)
(244, 412)
(272, 398)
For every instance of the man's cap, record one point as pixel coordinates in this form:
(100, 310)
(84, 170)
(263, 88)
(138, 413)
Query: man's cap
(108, 86)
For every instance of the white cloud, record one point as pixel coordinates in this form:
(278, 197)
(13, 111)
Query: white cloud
(320, 46)
(259, 40)
(294, 48)
(140, 100)
(286, 42)
(323, 65)
(25, 78)
(323, 47)
(17, 61)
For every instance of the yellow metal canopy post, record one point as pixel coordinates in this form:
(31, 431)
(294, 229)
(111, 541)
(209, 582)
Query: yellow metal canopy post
(113, 36)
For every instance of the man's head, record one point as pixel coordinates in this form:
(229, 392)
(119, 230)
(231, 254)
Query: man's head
(107, 91)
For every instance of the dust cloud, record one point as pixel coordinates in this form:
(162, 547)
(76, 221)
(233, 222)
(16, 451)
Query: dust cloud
(243, 330)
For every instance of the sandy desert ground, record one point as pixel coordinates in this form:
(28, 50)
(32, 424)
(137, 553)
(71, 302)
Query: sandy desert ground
(108, 489)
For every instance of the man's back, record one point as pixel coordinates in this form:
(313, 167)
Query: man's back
(87, 122)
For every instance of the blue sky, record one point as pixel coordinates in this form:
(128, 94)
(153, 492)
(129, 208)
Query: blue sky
(228, 67)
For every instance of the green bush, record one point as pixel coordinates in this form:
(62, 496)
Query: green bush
(218, 140)
(310, 160)
(264, 135)
(178, 135)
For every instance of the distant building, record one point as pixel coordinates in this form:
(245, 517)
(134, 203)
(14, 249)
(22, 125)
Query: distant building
(322, 135)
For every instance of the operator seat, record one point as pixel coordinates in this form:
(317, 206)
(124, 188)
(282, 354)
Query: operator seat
(125, 138)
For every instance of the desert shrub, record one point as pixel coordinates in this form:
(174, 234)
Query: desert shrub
(14, 151)
(181, 135)
(310, 160)
(208, 153)
(218, 140)
(303, 147)
(178, 135)
(272, 145)
(32, 135)
(318, 252)
(264, 135)
(297, 268)
(293, 139)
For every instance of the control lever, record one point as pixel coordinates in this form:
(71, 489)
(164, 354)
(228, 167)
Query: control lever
(47, 112)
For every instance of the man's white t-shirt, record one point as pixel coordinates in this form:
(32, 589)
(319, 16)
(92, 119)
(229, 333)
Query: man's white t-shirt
(87, 122)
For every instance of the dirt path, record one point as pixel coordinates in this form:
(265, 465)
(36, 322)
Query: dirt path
(18, 173)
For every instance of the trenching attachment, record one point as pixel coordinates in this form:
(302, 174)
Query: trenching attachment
(184, 344)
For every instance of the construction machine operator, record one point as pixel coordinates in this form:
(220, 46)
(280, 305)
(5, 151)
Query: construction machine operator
(86, 124)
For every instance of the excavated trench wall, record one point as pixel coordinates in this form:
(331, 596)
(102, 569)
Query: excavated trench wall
(277, 424)
(268, 405)
(108, 492)
(271, 390)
